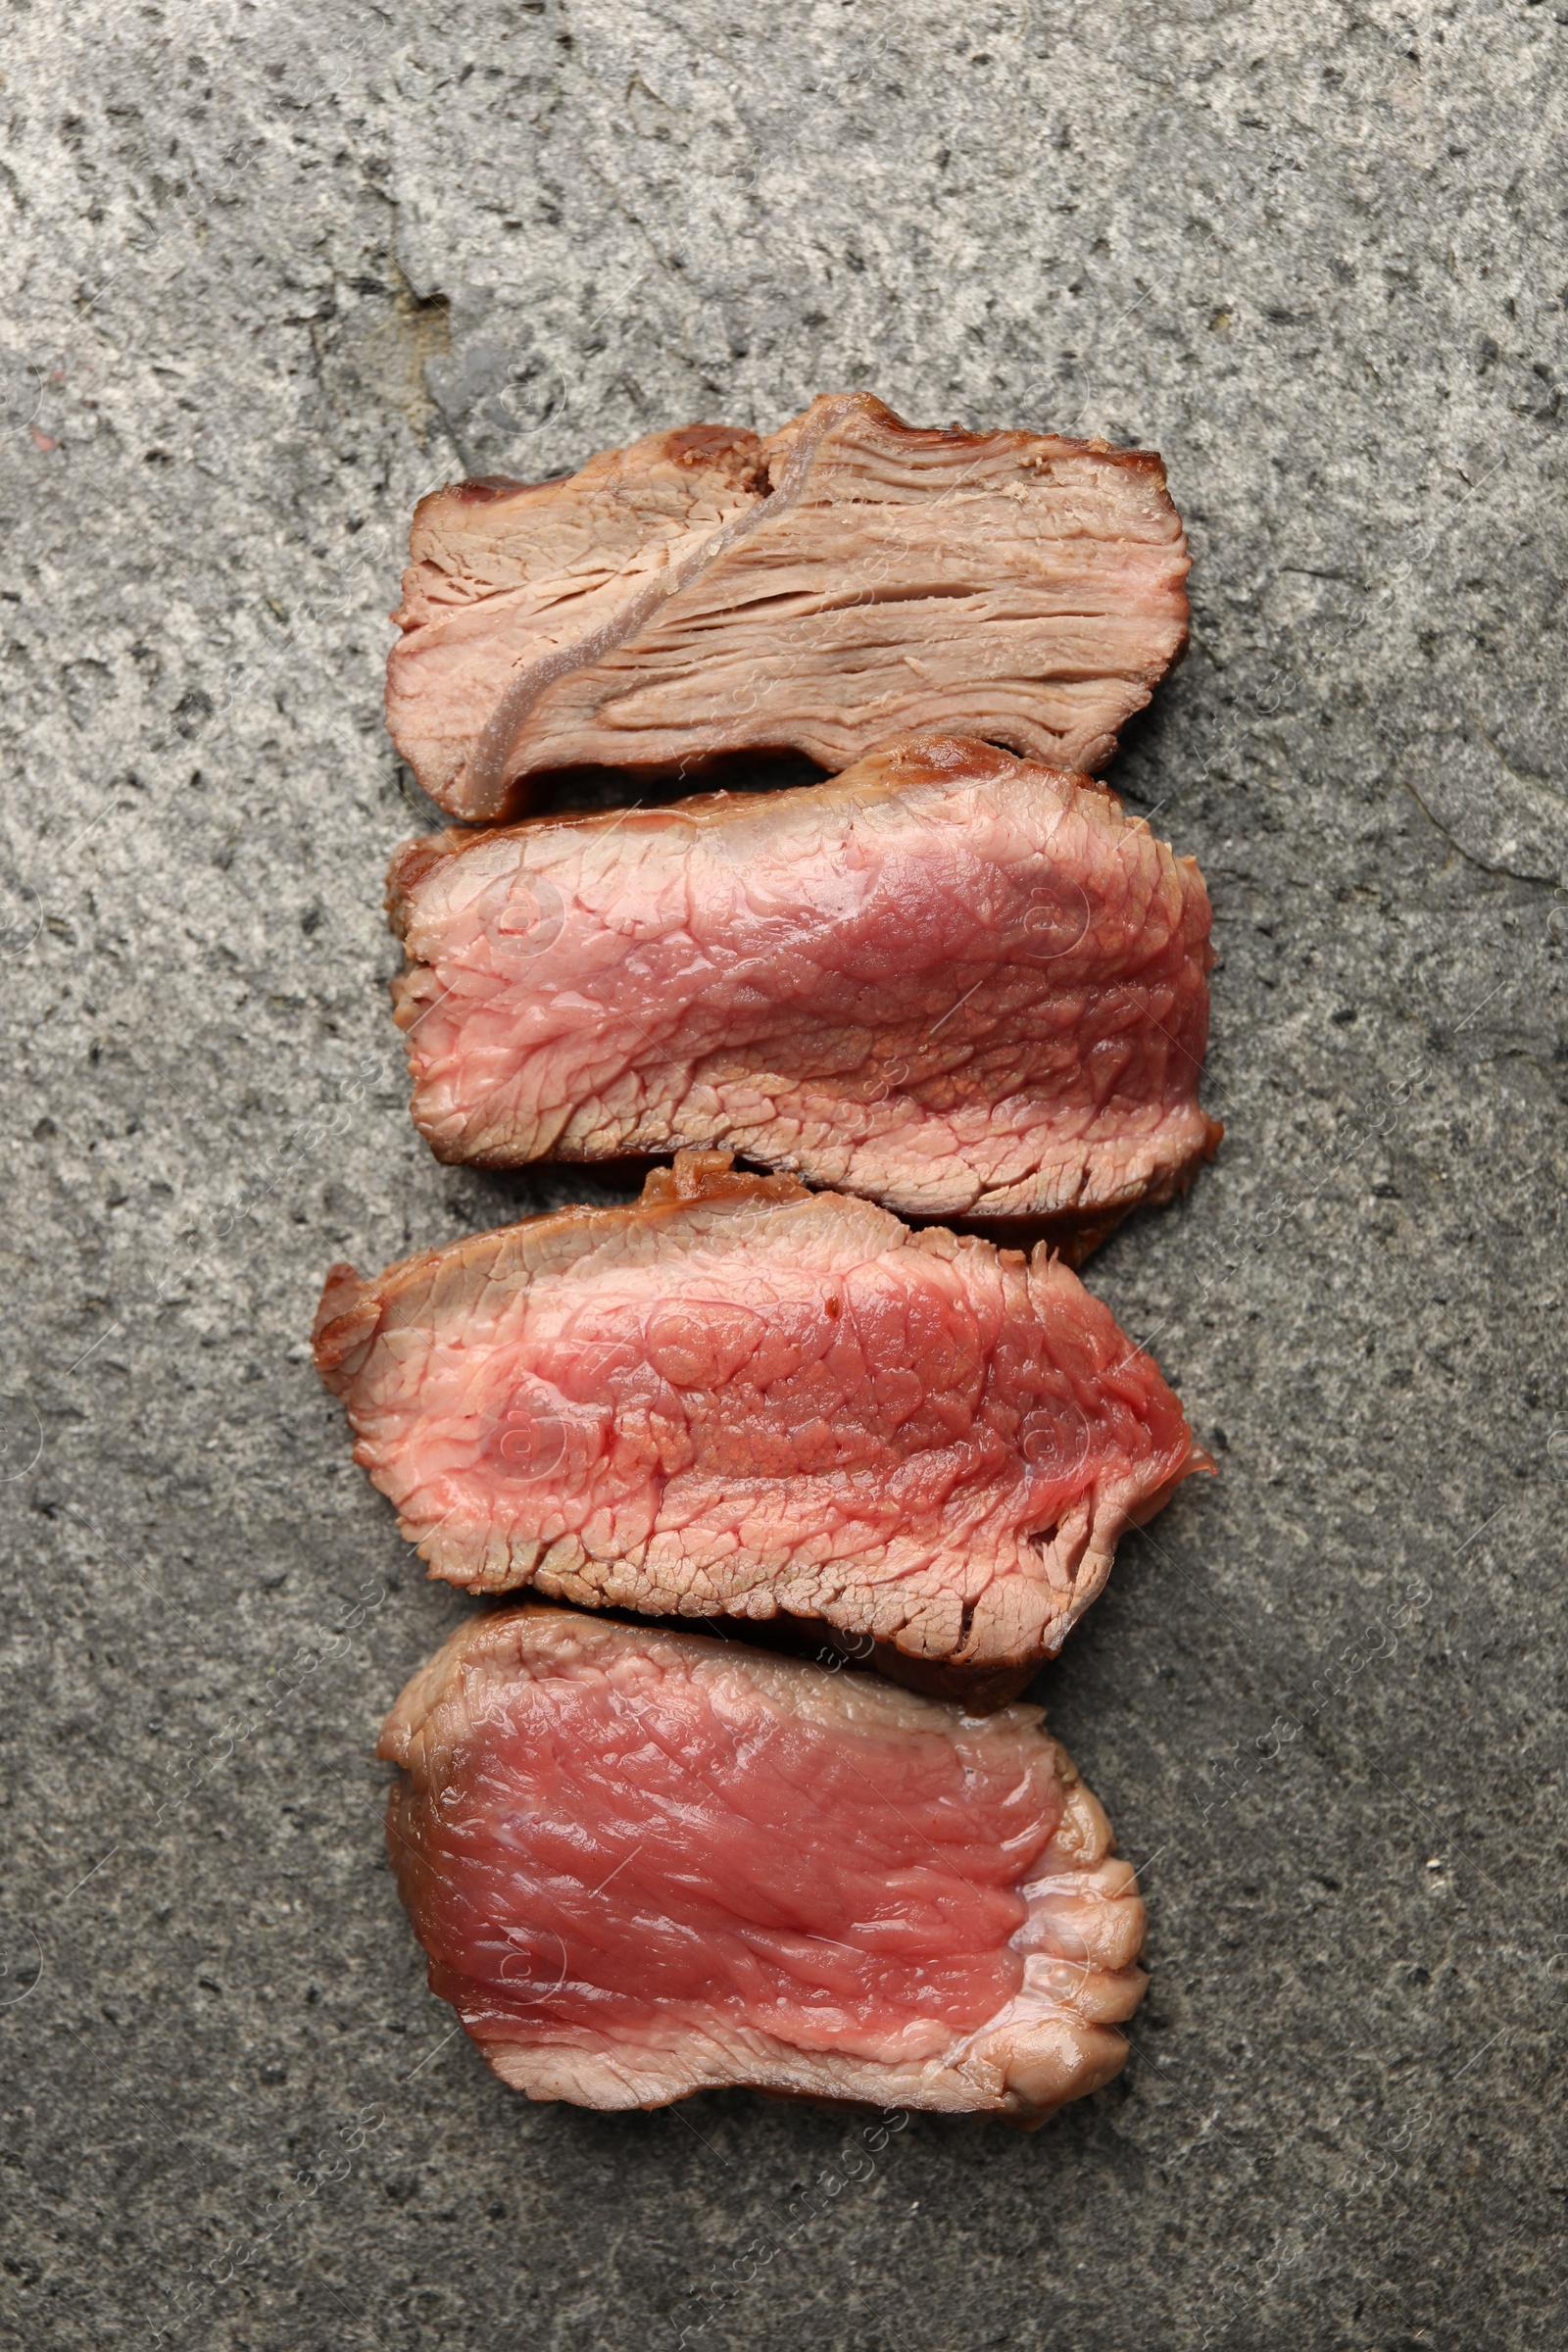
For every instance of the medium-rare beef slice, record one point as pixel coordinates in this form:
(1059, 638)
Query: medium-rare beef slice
(705, 592)
(644, 1864)
(950, 979)
(738, 1397)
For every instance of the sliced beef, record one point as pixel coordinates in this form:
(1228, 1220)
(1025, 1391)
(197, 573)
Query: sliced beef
(950, 979)
(706, 592)
(738, 1397)
(644, 1864)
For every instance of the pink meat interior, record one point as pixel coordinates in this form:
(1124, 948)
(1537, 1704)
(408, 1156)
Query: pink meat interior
(649, 1846)
(985, 990)
(745, 1398)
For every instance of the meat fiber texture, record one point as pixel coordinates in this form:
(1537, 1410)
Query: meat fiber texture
(645, 1863)
(739, 1398)
(705, 592)
(950, 979)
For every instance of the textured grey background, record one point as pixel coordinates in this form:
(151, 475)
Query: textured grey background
(271, 269)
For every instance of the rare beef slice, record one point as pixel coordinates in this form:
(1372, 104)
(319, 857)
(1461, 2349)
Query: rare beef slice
(645, 1863)
(851, 578)
(952, 980)
(739, 1398)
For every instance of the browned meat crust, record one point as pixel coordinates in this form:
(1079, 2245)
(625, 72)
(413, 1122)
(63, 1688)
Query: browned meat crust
(705, 592)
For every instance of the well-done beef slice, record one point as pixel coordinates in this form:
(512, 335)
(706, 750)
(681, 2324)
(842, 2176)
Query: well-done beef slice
(737, 1397)
(644, 1864)
(949, 979)
(705, 592)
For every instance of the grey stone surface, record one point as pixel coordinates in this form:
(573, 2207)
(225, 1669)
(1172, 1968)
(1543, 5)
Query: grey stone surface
(270, 270)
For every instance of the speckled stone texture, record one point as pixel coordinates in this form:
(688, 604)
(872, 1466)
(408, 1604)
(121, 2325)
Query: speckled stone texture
(270, 271)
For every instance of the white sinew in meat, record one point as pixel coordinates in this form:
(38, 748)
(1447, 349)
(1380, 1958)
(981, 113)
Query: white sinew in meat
(851, 578)
(645, 1863)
